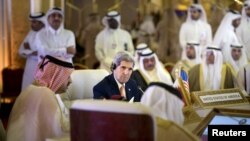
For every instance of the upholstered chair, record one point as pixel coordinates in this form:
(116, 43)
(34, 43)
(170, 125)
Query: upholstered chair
(83, 82)
(106, 120)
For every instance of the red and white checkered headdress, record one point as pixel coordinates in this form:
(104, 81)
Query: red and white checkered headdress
(53, 73)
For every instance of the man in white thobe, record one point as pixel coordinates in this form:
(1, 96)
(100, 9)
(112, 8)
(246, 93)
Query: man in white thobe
(55, 40)
(195, 28)
(236, 58)
(225, 34)
(211, 73)
(111, 40)
(28, 48)
(243, 30)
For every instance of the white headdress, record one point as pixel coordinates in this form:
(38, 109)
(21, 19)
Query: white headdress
(242, 60)
(165, 102)
(112, 14)
(139, 48)
(161, 72)
(54, 10)
(199, 7)
(214, 69)
(198, 51)
(225, 25)
(38, 16)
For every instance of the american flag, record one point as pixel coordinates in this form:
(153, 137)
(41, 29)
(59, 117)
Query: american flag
(183, 86)
(184, 77)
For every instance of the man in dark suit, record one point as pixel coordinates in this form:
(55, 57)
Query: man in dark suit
(112, 86)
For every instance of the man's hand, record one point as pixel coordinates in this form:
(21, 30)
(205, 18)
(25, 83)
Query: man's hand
(26, 45)
(34, 53)
(71, 50)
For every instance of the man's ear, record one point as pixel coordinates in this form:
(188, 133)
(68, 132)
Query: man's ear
(113, 67)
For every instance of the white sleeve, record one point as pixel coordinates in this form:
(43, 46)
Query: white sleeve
(70, 42)
(22, 51)
(182, 38)
(44, 49)
(64, 118)
(239, 32)
(99, 44)
(209, 36)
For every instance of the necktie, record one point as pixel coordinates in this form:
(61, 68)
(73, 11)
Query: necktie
(122, 91)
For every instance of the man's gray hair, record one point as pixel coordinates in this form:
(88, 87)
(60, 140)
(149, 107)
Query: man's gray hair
(123, 56)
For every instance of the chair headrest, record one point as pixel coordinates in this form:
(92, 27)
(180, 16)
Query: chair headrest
(111, 106)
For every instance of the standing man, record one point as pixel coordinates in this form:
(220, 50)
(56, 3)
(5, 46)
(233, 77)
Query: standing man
(88, 37)
(195, 28)
(211, 74)
(226, 33)
(55, 40)
(243, 30)
(28, 48)
(111, 40)
(118, 83)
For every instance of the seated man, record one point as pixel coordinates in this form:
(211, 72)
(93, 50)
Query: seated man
(150, 70)
(164, 99)
(211, 74)
(36, 114)
(191, 58)
(118, 83)
(236, 57)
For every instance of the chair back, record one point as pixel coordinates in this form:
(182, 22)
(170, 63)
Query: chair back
(98, 120)
(2, 132)
(12, 81)
(83, 82)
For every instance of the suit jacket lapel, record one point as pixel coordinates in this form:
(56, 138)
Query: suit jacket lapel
(114, 89)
